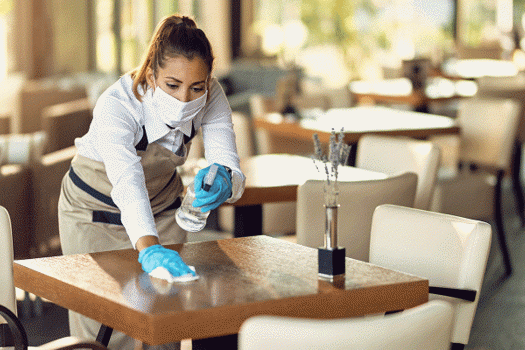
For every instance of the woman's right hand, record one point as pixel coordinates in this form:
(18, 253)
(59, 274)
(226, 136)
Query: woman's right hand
(157, 256)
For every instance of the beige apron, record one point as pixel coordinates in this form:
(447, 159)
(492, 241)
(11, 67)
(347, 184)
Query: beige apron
(89, 221)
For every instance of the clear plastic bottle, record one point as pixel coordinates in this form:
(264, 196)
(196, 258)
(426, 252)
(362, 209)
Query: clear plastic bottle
(189, 218)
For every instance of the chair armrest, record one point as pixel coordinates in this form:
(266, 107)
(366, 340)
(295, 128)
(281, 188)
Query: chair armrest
(46, 184)
(17, 334)
(71, 343)
(16, 197)
(13, 333)
(463, 294)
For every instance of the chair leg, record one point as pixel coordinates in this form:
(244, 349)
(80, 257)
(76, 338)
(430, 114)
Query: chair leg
(38, 306)
(516, 181)
(27, 306)
(498, 217)
(104, 334)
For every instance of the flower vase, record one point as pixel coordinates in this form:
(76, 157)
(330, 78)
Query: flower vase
(331, 257)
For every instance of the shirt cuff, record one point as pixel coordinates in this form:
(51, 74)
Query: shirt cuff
(238, 182)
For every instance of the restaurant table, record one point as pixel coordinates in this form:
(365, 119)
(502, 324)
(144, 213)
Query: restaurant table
(359, 121)
(272, 178)
(400, 91)
(238, 278)
(474, 68)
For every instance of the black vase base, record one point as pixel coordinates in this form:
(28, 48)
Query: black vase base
(331, 262)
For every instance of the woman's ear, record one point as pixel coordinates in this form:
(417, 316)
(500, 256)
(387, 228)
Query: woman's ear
(208, 88)
(150, 78)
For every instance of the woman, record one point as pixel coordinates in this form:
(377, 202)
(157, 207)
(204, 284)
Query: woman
(123, 188)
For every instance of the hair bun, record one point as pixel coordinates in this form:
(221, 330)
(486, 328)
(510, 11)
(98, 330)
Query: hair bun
(188, 22)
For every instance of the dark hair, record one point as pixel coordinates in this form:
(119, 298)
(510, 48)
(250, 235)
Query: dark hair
(174, 36)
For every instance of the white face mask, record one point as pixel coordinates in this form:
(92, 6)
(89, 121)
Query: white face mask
(172, 111)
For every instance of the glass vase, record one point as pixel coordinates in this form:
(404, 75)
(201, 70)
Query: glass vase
(331, 193)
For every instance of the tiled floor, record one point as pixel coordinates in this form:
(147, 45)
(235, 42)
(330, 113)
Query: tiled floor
(499, 322)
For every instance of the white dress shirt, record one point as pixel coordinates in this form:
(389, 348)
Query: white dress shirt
(116, 128)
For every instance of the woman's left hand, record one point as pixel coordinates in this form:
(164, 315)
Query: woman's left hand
(219, 192)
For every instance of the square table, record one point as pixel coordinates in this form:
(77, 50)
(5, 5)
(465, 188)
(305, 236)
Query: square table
(239, 278)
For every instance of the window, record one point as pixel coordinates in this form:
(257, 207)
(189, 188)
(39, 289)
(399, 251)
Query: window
(106, 60)
(341, 40)
(7, 64)
(123, 29)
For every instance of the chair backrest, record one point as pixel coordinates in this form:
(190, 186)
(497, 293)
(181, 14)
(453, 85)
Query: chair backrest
(450, 251)
(37, 94)
(64, 122)
(7, 286)
(309, 101)
(488, 131)
(357, 199)
(261, 104)
(265, 143)
(394, 155)
(423, 327)
(505, 87)
(243, 135)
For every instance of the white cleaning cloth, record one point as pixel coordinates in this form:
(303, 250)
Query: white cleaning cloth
(161, 273)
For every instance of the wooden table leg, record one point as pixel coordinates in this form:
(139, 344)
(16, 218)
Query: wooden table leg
(104, 334)
(248, 221)
(424, 108)
(227, 342)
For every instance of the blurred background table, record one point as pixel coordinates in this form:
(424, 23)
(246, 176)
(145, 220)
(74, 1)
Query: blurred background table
(474, 68)
(358, 121)
(274, 178)
(400, 91)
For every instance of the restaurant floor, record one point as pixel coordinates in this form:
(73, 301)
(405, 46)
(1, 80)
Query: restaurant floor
(500, 319)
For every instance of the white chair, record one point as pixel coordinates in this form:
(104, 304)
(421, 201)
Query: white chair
(278, 218)
(473, 188)
(23, 148)
(423, 327)
(259, 106)
(393, 155)
(504, 88)
(358, 199)
(8, 310)
(3, 149)
(265, 143)
(450, 251)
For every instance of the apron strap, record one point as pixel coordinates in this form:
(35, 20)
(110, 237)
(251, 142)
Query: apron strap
(143, 143)
(90, 190)
(103, 216)
(107, 217)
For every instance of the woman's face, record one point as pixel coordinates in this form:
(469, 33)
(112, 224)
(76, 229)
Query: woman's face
(182, 78)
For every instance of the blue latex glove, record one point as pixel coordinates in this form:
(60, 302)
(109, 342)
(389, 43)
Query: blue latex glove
(156, 255)
(219, 192)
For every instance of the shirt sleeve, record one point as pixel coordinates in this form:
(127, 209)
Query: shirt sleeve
(114, 142)
(219, 138)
